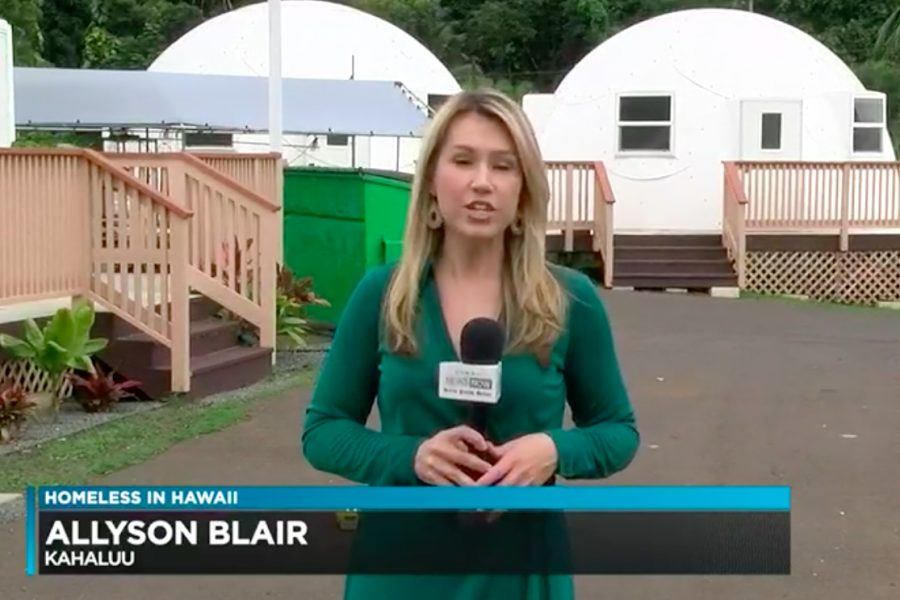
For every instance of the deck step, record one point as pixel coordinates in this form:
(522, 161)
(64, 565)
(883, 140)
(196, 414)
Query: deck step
(659, 252)
(695, 261)
(229, 369)
(653, 261)
(720, 266)
(674, 280)
(207, 335)
(218, 361)
(679, 240)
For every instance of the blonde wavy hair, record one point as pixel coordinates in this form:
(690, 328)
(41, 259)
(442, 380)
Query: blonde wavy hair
(534, 303)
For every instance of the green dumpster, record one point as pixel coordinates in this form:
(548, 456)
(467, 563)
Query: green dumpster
(338, 223)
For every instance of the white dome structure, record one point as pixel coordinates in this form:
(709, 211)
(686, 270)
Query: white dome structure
(664, 102)
(320, 40)
(7, 96)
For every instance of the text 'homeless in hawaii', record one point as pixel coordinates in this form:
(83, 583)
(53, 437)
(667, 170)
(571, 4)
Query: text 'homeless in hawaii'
(187, 498)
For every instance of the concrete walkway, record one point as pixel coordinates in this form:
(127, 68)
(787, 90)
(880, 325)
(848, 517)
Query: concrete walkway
(728, 392)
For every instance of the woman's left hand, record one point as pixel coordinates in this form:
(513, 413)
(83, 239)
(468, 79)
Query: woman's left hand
(528, 460)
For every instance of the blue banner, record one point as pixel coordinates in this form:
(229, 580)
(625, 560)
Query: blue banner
(571, 498)
(30, 532)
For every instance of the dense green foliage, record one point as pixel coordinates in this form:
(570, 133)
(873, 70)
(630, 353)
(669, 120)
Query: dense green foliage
(515, 45)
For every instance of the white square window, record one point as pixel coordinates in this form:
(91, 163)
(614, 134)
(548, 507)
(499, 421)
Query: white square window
(645, 123)
(868, 125)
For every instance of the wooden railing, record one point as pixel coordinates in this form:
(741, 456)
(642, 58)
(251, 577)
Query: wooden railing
(734, 208)
(135, 233)
(260, 173)
(806, 197)
(820, 197)
(604, 232)
(77, 225)
(45, 249)
(232, 239)
(582, 199)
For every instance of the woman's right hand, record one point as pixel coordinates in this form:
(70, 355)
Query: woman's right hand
(447, 459)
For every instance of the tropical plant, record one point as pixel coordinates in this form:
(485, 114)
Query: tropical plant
(64, 344)
(15, 408)
(289, 322)
(887, 41)
(300, 289)
(99, 391)
(293, 296)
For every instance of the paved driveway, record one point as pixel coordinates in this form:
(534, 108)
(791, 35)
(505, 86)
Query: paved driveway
(728, 392)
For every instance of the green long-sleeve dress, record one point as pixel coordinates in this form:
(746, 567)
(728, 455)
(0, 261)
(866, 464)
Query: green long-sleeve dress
(583, 371)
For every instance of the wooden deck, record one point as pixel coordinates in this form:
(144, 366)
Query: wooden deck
(105, 226)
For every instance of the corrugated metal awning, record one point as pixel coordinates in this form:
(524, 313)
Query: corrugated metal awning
(112, 99)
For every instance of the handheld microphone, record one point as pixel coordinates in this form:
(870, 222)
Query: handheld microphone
(481, 343)
(476, 380)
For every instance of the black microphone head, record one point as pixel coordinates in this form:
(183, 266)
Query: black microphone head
(481, 342)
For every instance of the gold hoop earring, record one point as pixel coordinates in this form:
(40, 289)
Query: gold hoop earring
(517, 227)
(434, 218)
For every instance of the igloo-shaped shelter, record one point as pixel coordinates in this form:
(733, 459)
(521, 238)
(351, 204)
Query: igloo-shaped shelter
(665, 101)
(320, 40)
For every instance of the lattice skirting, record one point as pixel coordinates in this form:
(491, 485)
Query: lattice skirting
(29, 377)
(846, 277)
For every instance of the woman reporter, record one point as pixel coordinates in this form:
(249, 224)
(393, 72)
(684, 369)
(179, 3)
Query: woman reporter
(473, 247)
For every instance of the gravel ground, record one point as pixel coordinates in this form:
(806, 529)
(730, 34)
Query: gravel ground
(10, 511)
(72, 419)
(310, 357)
(291, 360)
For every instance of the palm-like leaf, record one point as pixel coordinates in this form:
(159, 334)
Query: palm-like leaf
(888, 41)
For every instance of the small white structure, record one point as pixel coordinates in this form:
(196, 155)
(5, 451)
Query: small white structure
(143, 111)
(664, 102)
(7, 102)
(320, 40)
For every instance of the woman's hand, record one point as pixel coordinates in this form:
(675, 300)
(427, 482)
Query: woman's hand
(447, 459)
(528, 460)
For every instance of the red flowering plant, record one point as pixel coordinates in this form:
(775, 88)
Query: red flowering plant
(15, 407)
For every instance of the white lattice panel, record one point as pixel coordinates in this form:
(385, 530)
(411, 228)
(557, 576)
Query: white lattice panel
(846, 277)
(29, 377)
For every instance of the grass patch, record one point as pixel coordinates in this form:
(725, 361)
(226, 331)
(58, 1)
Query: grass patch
(819, 303)
(110, 447)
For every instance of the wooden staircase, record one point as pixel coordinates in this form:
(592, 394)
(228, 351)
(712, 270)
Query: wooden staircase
(159, 242)
(219, 362)
(672, 261)
(692, 262)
